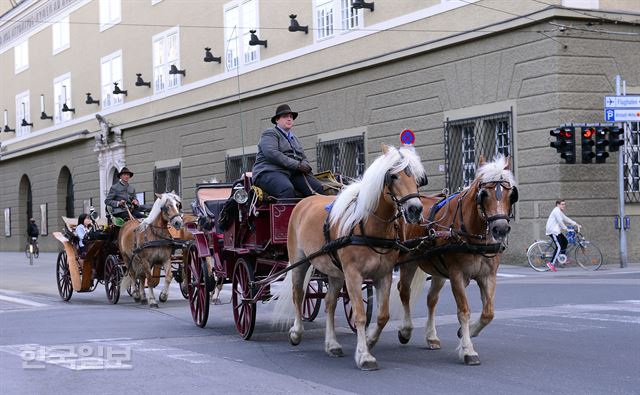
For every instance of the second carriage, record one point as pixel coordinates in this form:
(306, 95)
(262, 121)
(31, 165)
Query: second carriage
(240, 238)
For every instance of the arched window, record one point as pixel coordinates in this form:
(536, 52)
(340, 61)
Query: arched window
(70, 199)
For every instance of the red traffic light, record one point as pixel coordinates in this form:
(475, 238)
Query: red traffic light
(566, 133)
(588, 133)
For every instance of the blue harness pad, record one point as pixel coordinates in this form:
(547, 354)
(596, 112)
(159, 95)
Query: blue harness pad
(435, 208)
(329, 206)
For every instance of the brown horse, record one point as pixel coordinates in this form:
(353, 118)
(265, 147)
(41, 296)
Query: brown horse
(366, 213)
(468, 233)
(148, 243)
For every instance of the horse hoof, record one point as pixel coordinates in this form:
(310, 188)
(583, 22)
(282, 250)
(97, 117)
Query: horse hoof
(459, 333)
(433, 345)
(402, 338)
(471, 360)
(153, 305)
(335, 352)
(137, 300)
(294, 339)
(143, 301)
(369, 365)
(163, 297)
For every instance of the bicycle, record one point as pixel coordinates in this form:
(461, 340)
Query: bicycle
(31, 250)
(579, 250)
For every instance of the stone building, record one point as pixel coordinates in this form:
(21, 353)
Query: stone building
(177, 92)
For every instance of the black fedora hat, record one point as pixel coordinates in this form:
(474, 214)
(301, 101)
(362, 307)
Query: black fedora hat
(125, 170)
(281, 110)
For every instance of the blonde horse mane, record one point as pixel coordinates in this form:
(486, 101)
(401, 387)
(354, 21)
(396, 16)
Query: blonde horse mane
(157, 208)
(496, 171)
(358, 200)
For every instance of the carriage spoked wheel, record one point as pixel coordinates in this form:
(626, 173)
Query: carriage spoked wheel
(196, 288)
(63, 277)
(367, 298)
(244, 308)
(184, 289)
(312, 299)
(112, 277)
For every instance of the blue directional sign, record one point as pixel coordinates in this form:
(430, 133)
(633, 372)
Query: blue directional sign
(621, 114)
(622, 102)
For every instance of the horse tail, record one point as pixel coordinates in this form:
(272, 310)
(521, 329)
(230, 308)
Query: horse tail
(125, 283)
(417, 285)
(284, 309)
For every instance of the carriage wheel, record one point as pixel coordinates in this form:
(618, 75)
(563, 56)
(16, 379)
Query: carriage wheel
(184, 289)
(63, 276)
(196, 288)
(312, 300)
(112, 277)
(367, 298)
(244, 308)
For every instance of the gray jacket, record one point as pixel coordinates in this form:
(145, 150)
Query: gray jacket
(120, 191)
(277, 153)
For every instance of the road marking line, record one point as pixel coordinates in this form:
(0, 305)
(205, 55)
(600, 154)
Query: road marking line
(21, 301)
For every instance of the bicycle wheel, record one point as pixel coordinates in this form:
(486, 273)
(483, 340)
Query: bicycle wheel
(539, 254)
(27, 252)
(588, 256)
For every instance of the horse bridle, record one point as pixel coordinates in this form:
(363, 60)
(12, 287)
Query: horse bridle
(165, 210)
(498, 185)
(388, 182)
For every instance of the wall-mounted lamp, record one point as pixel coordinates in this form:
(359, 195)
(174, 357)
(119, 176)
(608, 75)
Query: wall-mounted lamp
(66, 108)
(254, 40)
(25, 123)
(117, 90)
(91, 100)
(359, 4)
(295, 26)
(6, 123)
(141, 82)
(43, 114)
(174, 70)
(208, 56)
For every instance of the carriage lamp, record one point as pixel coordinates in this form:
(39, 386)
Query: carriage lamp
(174, 70)
(6, 123)
(254, 40)
(359, 4)
(141, 82)
(91, 100)
(43, 114)
(295, 26)
(117, 90)
(208, 56)
(240, 196)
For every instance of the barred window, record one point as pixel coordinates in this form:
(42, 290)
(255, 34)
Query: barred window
(234, 166)
(631, 150)
(166, 180)
(467, 139)
(345, 156)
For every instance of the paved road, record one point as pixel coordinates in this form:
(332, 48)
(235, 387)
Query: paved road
(571, 332)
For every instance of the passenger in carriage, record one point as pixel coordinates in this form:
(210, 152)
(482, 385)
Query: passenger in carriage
(122, 193)
(84, 226)
(281, 166)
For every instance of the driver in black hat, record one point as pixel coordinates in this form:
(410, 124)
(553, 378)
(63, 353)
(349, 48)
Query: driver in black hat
(122, 193)
(281, 166)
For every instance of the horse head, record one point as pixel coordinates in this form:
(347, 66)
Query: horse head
(402, 180)
(171, 209)
(496, 194)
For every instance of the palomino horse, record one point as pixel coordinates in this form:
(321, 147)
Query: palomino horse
(363, 226)
(148, 243)
(471, 229)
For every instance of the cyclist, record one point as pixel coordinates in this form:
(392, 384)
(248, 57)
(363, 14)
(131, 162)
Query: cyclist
(556, 224)
(33, 232)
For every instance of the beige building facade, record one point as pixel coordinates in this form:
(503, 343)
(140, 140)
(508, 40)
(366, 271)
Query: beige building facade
(468, 77)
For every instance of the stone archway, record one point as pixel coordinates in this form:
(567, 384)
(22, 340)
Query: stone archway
(65, 196)
(25, 209)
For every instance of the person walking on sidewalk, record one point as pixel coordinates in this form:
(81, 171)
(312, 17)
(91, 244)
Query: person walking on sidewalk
(556, 224)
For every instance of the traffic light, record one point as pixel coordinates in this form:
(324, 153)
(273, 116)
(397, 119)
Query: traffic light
(587, 145)
(601, 145)
(565, 143)
(614, 138)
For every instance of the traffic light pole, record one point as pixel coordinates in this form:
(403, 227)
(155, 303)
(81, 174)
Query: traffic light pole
(621, 153)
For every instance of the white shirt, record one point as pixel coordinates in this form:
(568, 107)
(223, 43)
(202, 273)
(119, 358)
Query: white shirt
(81, 231)
(557, 222)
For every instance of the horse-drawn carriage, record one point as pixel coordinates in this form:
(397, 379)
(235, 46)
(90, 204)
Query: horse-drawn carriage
(241, 239)
(101, 261)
